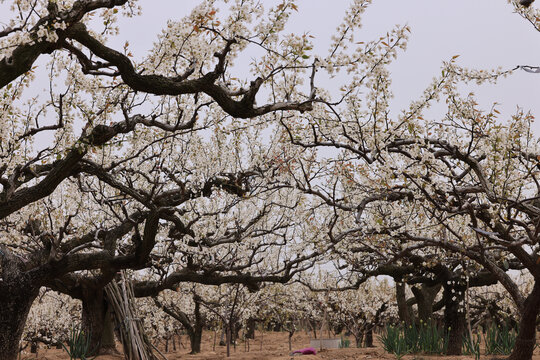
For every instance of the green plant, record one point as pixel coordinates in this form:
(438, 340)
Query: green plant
(394, 341)
(78, 344)
(471, 346)
(500, 340)
(426, 338)
(345, 343)
(431, 339)
(410, 334)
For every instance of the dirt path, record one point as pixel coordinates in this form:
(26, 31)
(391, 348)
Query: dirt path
(274, 346)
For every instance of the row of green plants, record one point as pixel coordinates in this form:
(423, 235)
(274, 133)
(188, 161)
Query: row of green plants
(498, 340)
(78, 345)
(428, 338)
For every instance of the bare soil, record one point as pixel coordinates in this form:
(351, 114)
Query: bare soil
(274, 346)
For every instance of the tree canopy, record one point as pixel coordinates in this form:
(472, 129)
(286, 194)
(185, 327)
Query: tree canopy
(180, 169)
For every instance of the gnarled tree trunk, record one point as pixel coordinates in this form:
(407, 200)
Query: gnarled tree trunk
(454, 320)
(195, 335)
(403, 310)
(15, 303)
(194, 329)
(526, 339)
(17, 292)
(195, 339)
(96, 319)
(368, 342)
(425, 296)
(93, 316)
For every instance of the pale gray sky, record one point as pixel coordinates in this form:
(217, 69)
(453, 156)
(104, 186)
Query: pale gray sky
(485, 33)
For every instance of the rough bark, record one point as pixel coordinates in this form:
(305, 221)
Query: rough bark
(108, 344)
(454, 320)
(94, 311)
(195, 335)
(403, 311)
(425, 296)
(195, 339)
(250, 328)
(97, 319)
(359, 337)
(17, 292)
(526, 338)
(368, 342)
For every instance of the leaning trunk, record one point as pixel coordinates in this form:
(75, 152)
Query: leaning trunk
(17, 292)
(291, 333)
(15, 303)
(526, 339)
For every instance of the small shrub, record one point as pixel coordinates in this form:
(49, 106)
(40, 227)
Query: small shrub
(431, 339)
(427, 338)
(500, 340)
(345, 343)
(410, 334)
(471, 346)
(78, 345)
(394, 341)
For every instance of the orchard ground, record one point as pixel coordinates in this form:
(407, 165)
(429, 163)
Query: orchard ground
(275, 346)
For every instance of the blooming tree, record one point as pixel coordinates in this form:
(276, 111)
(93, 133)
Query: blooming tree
(100, 101)
(51, 318)
(159, 161)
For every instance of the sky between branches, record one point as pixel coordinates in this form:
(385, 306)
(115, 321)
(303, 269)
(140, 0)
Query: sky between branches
(485, 33)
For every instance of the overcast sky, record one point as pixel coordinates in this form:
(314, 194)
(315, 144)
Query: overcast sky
(485, 33)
